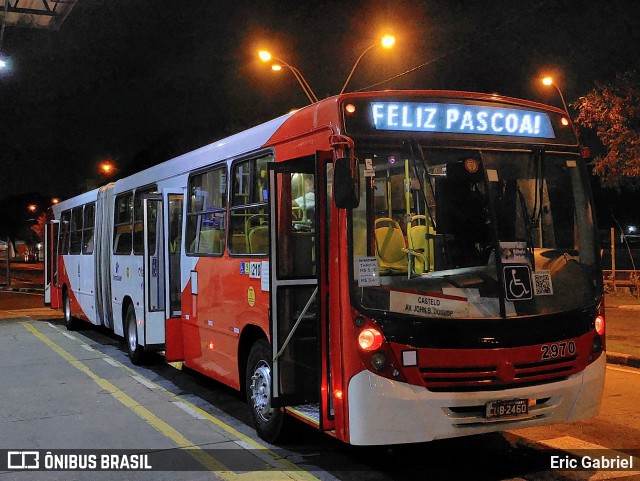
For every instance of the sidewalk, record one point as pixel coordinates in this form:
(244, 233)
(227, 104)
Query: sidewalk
(622, 321)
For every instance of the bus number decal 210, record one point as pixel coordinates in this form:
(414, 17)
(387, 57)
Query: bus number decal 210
(558, 349)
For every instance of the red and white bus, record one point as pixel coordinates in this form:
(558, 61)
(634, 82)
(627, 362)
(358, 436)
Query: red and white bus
(389, 267)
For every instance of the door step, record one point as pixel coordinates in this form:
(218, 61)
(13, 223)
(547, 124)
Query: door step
(310, 412)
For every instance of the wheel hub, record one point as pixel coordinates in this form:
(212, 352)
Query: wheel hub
(261, 391)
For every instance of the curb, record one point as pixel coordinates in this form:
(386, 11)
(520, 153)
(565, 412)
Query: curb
(623, 359)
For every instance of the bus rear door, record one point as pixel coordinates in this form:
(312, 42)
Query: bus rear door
(154, 272)
(173, 212)
(51, 291)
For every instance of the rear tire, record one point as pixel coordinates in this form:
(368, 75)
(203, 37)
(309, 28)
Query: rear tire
(70, 322)
(134, 350)
(267, 420)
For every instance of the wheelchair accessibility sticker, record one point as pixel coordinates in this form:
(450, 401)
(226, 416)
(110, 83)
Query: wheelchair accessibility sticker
(517, 283)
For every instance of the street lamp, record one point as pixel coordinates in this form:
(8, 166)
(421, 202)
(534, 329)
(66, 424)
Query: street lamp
(265, 56)
(386, 41)
(549, 81)
(106, 167)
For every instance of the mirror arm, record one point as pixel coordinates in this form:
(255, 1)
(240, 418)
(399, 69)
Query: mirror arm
(338, 141)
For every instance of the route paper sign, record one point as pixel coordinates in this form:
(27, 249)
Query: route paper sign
(367, 271)
(430, 304)
(514, 253)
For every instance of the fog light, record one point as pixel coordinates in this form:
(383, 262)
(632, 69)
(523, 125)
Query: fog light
(596, 345)
(379, 361)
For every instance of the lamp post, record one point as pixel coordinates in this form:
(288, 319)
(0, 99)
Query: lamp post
(387, 41)
(265, 56)
(32, 252)
(549, 81)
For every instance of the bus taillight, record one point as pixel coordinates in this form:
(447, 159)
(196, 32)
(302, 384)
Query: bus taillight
(370, 339)
(599, 324)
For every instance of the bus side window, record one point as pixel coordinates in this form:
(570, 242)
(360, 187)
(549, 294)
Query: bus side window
(138, 219)
(75, 231)
(65, 219)
(249, 214)
(123, 228)
(88, 228)
(206, 213)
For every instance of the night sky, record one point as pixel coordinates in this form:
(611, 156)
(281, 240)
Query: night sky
(140, 82)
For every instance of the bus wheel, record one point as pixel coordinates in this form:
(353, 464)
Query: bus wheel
(70, 322)
(134, 350)
(266, 419)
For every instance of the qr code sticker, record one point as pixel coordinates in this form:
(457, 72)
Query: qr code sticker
(542, 285)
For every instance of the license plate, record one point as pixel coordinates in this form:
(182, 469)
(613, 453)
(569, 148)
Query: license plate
(509, 408)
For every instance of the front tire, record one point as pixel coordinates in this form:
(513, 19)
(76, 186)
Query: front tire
(134, 350)
(267, 420)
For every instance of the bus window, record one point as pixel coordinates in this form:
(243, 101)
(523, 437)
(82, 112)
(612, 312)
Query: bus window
(249, 214)
(122, 224)
(65, 219)
(75, 231)
(296, 232)
(206, 212)
(88, 228)
(138, 232)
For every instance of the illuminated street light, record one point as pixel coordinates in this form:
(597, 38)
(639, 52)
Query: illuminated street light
(265, 56)
(386, 41)
(549, 81)
(106, 167)
(32, 208)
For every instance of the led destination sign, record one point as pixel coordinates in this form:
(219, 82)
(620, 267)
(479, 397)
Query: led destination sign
(460, 119)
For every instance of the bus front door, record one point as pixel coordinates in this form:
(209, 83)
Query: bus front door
(154, 273)
(296, 206)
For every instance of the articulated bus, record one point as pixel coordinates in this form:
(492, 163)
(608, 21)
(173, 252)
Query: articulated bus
(388, 267)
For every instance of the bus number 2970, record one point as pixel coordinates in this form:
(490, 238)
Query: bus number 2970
(558, 349)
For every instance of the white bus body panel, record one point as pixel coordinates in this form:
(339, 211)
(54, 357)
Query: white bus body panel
(127, 281)
(80, 272)
(420, 415)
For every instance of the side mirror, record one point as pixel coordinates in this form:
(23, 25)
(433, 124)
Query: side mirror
(346, 183)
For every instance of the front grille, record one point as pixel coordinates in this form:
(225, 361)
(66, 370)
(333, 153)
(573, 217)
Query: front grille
(494, 377)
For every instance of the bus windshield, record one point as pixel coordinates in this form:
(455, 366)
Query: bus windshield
(472, 234)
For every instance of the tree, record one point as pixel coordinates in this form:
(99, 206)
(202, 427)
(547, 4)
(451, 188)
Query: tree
(612, 110)
(40, 225)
